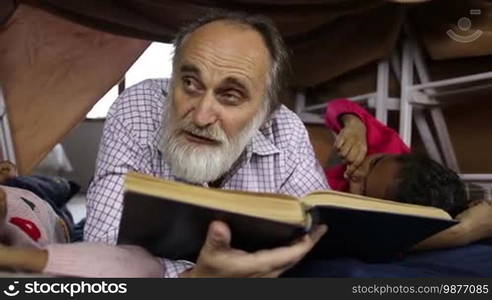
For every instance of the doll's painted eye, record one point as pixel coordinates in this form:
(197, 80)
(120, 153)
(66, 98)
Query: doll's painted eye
(29, 203)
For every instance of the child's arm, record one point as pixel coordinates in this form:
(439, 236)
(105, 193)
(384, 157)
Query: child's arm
(375, 137)
(475, 224)
(351, 142)
(346, 119)
(83, 260)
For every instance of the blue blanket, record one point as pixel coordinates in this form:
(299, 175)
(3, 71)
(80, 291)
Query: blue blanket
(470, 261)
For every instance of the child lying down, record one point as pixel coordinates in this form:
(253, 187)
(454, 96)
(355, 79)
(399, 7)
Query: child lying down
(35, 236)
(379, 164)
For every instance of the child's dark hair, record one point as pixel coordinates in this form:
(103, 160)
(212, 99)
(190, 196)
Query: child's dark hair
(423, 181)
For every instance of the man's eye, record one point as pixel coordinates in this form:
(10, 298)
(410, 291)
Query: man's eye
(231, 98)
(190, 84)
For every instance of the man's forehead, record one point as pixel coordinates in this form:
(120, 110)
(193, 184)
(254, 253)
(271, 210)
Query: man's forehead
(215, 28)
(227, 44)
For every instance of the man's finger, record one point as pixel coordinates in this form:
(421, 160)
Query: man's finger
(307, 241)
(283, 257)
(218, 236)
(317, 233)
(303, 246)
(277, 272)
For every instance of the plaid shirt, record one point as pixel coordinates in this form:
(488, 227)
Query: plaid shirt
(279, 159)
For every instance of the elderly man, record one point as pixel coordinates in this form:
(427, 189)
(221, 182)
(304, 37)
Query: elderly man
(217, 122)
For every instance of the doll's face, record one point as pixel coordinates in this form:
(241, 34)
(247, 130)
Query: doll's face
(27, 220)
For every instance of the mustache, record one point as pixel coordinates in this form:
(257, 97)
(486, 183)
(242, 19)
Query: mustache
(213, 132)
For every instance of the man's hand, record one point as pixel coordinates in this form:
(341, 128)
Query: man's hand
(218, 259)
(351, 142)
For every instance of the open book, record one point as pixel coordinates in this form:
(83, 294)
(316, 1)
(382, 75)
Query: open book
(171, 219)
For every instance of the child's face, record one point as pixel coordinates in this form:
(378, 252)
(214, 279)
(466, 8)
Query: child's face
(376, 177)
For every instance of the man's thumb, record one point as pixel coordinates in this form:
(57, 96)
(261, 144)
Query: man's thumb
(218, 236)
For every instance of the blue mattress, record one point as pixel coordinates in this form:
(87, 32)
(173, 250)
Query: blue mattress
(470, 261)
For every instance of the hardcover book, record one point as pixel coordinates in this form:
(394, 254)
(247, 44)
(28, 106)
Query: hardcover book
(171, 219)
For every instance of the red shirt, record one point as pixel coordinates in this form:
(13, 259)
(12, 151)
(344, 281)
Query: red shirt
(380, 138)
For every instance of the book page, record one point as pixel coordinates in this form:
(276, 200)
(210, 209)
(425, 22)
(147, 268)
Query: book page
(269, 206)
(352, 201)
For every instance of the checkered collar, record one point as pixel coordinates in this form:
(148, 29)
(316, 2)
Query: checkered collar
(262, 142)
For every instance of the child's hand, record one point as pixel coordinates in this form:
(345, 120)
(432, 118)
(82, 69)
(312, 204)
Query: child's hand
(351, 142)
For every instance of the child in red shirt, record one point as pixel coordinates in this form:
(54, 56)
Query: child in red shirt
(379, 164)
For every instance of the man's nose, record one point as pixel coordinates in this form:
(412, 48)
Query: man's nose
(205, 112)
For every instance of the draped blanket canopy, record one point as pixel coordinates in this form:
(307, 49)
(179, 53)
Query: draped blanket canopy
(58, 57)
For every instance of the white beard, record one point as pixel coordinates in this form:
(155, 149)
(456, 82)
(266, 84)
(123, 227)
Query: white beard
(202, 163)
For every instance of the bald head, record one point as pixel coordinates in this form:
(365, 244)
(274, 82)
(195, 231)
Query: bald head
(241, 58)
